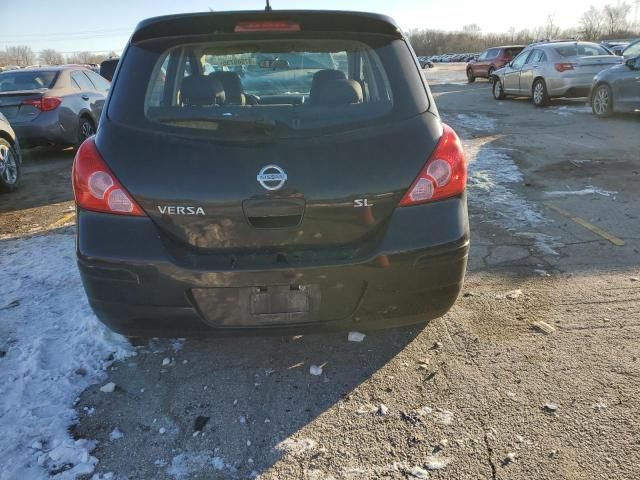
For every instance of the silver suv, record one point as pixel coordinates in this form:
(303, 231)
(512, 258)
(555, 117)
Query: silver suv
(551, 70)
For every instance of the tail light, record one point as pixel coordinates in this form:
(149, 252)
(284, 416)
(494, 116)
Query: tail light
(563, 67)
(443, 176)
(267, 26)
(44, 104)
(96, 188)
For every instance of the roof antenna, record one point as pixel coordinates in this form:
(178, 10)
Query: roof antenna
(267, 8)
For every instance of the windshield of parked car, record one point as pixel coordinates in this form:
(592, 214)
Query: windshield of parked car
(581, 50)
(26, 80)
(299, 84)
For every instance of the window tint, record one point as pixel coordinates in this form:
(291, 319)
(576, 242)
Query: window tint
(100, 83)
(632, 50)
(520, 59)
(493, 53)
(26, 80)
(483, 55)
(512, 52)
(535, 57)
(301, 85)
(82, 81)
(581, 50)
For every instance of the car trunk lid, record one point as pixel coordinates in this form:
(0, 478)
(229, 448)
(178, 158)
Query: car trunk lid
(12, 104)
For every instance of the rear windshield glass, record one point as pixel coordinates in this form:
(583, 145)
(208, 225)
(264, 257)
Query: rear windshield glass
(512, 52)
(294, 84)
(26, 80)
(581, 50)
(240, 87)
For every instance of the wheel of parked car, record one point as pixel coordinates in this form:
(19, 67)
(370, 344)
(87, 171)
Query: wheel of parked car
(470, 77)
(85, 130)
(602, 101)
(498, 90)
(9, 167)
(539, 93)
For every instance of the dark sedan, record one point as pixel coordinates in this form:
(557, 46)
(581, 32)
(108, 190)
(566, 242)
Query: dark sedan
(10, 159)
(617, 89)
(53, 105)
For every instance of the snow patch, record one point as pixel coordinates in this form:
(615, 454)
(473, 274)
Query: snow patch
(185, 464)
(50, 334)
(475, 121)
(588, 190)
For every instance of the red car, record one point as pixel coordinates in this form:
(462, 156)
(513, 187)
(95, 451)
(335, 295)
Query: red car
(491, 59)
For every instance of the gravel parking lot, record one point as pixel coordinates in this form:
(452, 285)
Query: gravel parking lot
(534, 374)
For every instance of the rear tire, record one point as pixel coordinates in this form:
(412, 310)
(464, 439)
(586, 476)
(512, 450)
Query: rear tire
(10, 170)
(85, 130)
(539, 94)
(470, 76)
(497, 89)
(602, 101)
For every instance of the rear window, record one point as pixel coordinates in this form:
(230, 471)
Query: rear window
(581, 50)
(294, 85)
(26, 80)
(512, 52)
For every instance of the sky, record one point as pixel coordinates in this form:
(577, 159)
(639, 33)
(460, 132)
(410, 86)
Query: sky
(77, 25)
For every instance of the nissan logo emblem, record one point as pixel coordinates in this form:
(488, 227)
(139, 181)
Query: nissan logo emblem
(272, 177)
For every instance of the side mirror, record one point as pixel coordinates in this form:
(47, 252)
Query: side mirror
(631, 63)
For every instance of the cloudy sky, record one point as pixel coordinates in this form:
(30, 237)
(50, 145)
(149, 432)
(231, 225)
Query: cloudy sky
(75, 25)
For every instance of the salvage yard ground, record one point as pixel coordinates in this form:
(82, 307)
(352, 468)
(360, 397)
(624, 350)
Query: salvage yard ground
(534, 374)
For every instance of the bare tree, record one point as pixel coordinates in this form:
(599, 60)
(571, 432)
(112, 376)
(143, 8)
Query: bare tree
(551, 30)
(20, 55)
(50, 56)
(591, 24)
(616, 18)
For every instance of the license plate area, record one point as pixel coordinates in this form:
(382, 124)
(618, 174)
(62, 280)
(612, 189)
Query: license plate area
(276, 304)
(280, 299)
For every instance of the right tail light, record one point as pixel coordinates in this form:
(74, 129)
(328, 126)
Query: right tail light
(443, 176)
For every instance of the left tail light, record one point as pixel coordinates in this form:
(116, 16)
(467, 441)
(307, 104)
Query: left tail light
(96, 188)
(443, 176)
(563, 67)
(44, 104)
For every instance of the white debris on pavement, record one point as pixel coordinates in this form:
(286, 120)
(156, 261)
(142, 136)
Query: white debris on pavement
(166, 361)
(162, 430)
(315, 370)
(356, 336)
(115, 434)
(550, 407)
(108, 387)
(588, 190)
(513, 294)
(435, 462)
(185, 464)
(383, 409)
(51, 334)
(543, 327)
(418, 472)
(296, 447)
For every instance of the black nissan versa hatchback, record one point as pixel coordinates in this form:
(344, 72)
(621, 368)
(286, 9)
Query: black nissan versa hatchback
(270, 171)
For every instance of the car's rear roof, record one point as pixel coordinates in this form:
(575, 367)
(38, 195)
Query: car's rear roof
(224, 22)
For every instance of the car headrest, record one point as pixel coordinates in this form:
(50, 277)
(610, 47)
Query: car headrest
(234, 92)
(337, 92)
(201, 91)
(322, 76)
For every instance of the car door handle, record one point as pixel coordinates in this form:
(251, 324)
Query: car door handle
(85, 97)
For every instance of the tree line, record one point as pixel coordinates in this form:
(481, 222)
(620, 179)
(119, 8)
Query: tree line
(23, 56)
(610, 22)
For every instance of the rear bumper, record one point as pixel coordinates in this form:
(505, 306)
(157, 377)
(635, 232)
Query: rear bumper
(570, 86)
(137, 288)
(45, 129)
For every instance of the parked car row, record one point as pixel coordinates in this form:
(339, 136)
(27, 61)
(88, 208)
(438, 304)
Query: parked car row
(54, 105)
(569, 69)
(451, 57)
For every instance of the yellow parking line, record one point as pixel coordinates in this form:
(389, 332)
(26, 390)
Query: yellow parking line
(589, 226)
(63, 220)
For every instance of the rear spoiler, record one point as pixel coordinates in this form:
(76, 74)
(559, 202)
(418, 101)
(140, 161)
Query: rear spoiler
(212, 23)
